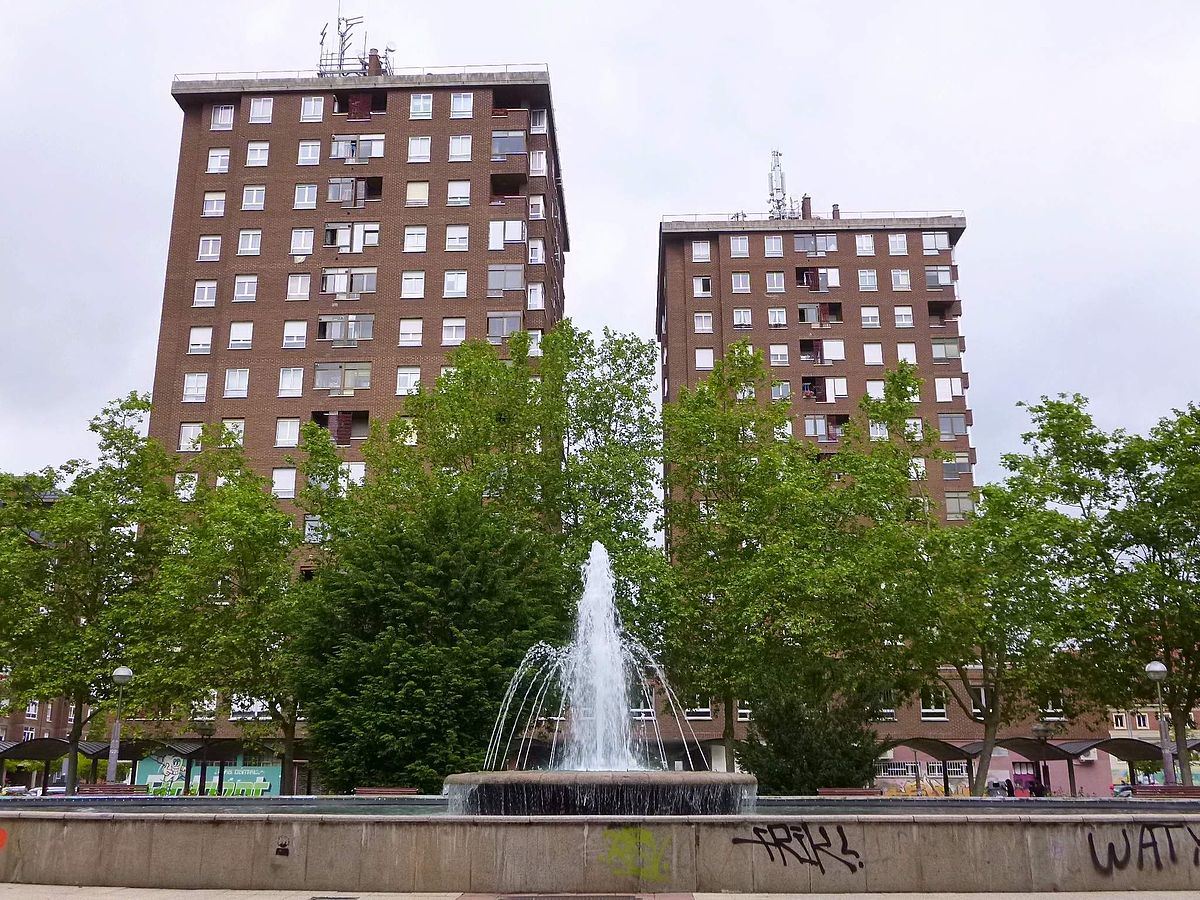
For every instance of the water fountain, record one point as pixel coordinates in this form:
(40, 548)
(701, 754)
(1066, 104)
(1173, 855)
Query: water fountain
(596, 761)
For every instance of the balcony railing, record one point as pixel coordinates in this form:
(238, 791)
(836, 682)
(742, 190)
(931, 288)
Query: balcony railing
(404, 72)
(821, 216)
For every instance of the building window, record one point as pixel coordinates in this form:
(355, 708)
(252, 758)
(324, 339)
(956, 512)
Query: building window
(739, 245)
(535, 342)
(415, 237)
(537, 121)
(901, 280)
(214, 204)
(878, 431)
(867, 280)
(257, 153)
(312, 109)
(952, 425)
(222, 118)
(298, 286)
(873, 354)
(937, 277)
(833, 349)
(535, 295)
(410, 332)
(189, 437)
(505, 277)
(775, 283)
(245, 288)
(907, 353)
(702, 286)
(957, 466)
(195, 387)
(295, 334)
(287, 432)
(934, 242)
(200, 339)
(210, 248)
(1141, 721)
(408, 380)
(458, 193)
(864, 244)
(291, 382)
(309, 153)
(455, 284)
(454, 332)
(898, 244)
(741, 282)
(306, 197)
(249, 242)
(1118, 720)
(420, 106)
(701, 251)
(418, 149)
(870, 316)
(779, 354)
(904, 317)
(456, 237)
(933, 705)
(946, 389)
(218, 160)
(500, 325)
(946, 349)
(816, 244)
(283, 483)
(460, 148)
(204, 293)
(815, 426)
(537, 162)
(507, 231)
(237, 383)
(260, 110)
(254, 196)
(342, 378)
(704, 358)
(302, 241)
(537, 252)
(772, 245)
(702, 322)
(416, 193)
(781, 390)
(348, 330)
(958, 505)
(741, 317)
(914, 429)
(412, 285)
(350, 237)
(241, 335)
(462, 106)
(875, 388)
(537, 206)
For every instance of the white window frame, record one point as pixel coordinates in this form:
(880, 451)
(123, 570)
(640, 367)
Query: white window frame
(291, 381)
(869, 316)
(901, 280)
(462, 106)
(218, 161)
(241, 336)
(739, 246)
(308, 153)
(420, 106)
(897, 244)
(458, 238)
(301, 203)
(237, 383)
(416, 238)
(299, 285)
(702, 323)
(204, 293)
(537, 206)
(195, 345)
(451, 326)
(245, 288)
(254, 197)
(772, 245)
(698, 289)
(740, 282)
(195, 387)
(704, 359)
(412, 285)
(901, 316)
(302, 241)
(415, 335)
(408, 380)
(295, 334)
(535, 295)
(213, 206)
(537, 163)
(258, 147)
(250, 242)
(189, 436)
(537, 252)
(776, 283)
(287, 432)
(283, 482)
(415, 152)
(210, 248)
(312, 109)
(868, 280)
(872, 354)
(261, 110)
(864, 245)
(906, 352)
(221, 118)
(462, 155)
(538, 121)
(454, 283)
(701, 251)
(463, 195)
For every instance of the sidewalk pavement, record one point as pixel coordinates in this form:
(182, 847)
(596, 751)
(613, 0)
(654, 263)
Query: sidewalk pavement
(59, 892)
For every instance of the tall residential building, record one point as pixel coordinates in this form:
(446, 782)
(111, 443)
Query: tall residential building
(334, 237)
(833, 302)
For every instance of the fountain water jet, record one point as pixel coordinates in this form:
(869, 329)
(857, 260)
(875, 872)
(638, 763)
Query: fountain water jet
(600, 763)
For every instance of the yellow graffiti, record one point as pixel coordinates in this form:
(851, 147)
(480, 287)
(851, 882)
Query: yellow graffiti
(636, 852)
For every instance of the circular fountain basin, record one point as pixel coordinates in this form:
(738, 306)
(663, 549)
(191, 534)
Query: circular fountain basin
(567, 793)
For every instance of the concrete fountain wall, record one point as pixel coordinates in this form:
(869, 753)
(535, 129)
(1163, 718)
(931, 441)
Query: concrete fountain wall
(828, 853)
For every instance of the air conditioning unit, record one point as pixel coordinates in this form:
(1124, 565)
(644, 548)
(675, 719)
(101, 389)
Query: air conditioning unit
(888, 754)
(1091, 756)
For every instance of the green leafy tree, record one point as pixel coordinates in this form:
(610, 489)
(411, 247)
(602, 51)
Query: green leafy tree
(81, 547)
(782, 554)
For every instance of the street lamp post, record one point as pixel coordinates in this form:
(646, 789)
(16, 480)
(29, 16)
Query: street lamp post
(121, 676)
(1157, 673)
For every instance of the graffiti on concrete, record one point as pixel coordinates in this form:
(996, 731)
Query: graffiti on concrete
(3, 838)
(635, 852)
(805, 845)
(1155, 843)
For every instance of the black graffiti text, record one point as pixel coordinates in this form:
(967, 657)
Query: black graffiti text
(1156, 844)
(804, 845)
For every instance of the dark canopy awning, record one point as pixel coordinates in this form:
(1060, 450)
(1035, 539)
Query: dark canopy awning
(934, 748)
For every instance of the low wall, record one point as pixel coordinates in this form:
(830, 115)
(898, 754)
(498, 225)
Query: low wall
(826, 853)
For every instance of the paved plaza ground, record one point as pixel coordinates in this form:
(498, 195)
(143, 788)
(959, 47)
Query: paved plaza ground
(57, 892)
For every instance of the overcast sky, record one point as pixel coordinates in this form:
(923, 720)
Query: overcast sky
(1069, 132)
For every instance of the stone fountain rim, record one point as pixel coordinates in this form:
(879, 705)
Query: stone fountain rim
(570, 777)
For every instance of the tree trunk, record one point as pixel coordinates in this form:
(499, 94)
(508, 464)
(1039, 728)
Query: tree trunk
(73, 740)
(983, 762)
(288, 764)
(730, 705)
(1179, 720)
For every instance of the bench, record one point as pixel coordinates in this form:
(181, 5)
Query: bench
(111, 790)
(849, 792)
(1166, 790)
(385, 791)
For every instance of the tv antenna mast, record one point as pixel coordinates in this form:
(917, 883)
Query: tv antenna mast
(339, 61)
(778, 206)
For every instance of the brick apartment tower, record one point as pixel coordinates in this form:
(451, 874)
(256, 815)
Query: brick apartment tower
(832, 301)
(334, 237)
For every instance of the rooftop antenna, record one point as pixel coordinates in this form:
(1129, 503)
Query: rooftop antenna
(777, 203)
(339, 61)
